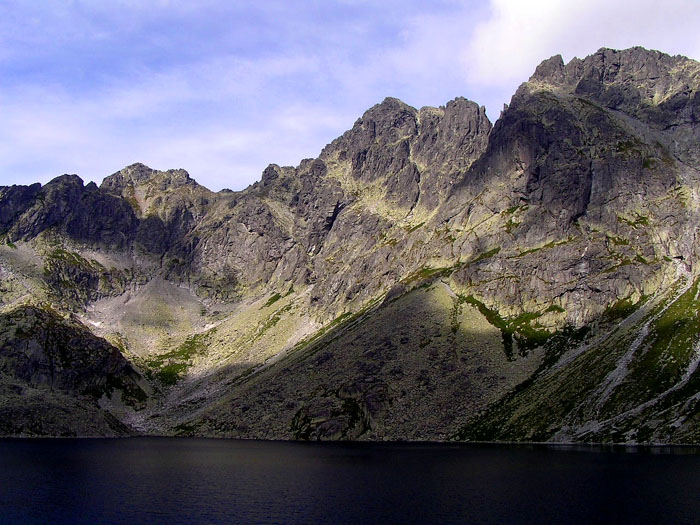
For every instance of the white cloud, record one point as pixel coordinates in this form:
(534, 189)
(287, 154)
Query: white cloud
(158, 117)
(508, 45)
(159, 121)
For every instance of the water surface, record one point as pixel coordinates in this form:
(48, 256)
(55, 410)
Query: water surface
(162, 480)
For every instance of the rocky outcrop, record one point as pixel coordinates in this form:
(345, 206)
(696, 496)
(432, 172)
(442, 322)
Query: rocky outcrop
(45, 360)
(43, 349)
(594, 199)
(76, 282)
(15, 201)
(657, 89)
(67, 207)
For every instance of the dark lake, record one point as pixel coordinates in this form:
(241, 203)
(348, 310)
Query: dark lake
(161, 480)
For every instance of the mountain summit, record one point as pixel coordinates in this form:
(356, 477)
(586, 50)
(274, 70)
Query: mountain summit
(428, 277)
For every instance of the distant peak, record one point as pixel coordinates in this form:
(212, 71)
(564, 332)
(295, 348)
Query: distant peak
(633, 66)
(65, 179)
(550, 69)
(138, 173)
(392, 101)
(131, 175)
(390, 113)
(137, 167)
(393, 104)
(270, 173)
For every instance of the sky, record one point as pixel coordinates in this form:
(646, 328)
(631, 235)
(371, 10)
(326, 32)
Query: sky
(222, 88)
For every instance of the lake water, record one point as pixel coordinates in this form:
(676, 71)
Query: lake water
(161, 480)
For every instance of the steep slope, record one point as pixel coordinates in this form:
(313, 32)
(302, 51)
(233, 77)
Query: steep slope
(429, 276)
(58, 378)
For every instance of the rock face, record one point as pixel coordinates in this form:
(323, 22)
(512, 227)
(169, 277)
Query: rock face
(44, 357)
(428, 276)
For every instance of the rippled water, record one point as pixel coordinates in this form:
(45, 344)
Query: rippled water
(161, 480)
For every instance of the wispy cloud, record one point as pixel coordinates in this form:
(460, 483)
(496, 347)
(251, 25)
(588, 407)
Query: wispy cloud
(224, 88)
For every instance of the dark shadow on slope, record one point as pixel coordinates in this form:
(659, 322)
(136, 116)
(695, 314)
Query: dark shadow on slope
(51, 363)
(408, 369)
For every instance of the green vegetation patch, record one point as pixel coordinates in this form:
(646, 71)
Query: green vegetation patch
(636, 221)
(511, 225)
(624, 261)
(272, 300)
(171, 366)
(547, 246)
(415, 227)
(428, 273)
(59, 254)
(277, 296)
(621, 309)
(618, 241)
(171, 373)
(555, 308)
(513, 209)
(664, 355)
(352, 409)
(522, 329)
(485, 255)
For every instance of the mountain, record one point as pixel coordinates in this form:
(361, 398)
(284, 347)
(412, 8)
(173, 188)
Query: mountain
(430, 276)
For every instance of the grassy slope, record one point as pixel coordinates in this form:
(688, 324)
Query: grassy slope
(441, 361)
(633, 383)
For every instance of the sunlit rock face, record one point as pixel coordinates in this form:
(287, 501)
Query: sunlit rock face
(428, 277)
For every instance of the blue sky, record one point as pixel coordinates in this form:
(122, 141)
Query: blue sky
(223, 88)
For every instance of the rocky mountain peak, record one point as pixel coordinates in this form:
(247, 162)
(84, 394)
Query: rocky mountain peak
(139, 174)
(659, 90)
(390, 120)
(635, 64)
(132, 175)
(61, 188)
(66, 180)
(270, 173)
(620, 79)
(550, 70)
(150, 191)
